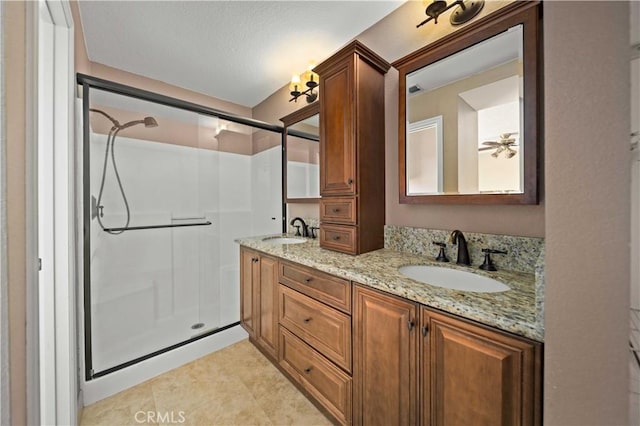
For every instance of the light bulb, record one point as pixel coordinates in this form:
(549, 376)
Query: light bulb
(294, 87)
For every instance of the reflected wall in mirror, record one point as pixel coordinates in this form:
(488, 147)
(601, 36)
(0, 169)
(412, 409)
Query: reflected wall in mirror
(302, 154)
(468, 113)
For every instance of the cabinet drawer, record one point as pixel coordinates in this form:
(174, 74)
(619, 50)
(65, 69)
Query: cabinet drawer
(339, 238)
(338, 209)
(326, 288)
(322, 327)
(330, 386)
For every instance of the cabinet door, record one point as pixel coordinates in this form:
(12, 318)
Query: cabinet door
(337, 136)
(248, 279)
(384, 354)
(267, 301)
(472, 375)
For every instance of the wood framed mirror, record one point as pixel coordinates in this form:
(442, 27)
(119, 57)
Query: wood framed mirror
(301, 168)
(469, 113)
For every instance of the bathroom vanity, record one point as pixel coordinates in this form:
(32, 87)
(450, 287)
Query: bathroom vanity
(391, 336)
(342, 328)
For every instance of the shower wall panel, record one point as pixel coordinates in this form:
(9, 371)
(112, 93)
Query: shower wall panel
(150, 287)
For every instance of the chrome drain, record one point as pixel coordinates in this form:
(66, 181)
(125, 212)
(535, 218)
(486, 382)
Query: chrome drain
(197, 325)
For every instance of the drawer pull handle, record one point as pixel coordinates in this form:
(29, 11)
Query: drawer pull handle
(425, 330)
(308, 280)
(336, 238)
(335, 210)
(307, 320)
(307, 370)
(410, 324)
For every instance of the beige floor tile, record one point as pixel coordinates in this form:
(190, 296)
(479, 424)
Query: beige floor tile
(235, 386)
(111, 417)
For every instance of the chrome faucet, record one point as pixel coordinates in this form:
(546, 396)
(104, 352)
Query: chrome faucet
(457, 238)
(305, 227)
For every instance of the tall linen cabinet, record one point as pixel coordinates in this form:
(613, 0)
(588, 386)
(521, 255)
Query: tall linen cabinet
(352, 150)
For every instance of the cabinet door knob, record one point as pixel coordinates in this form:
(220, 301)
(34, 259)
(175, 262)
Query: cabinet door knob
(425, 330)
(307, 320)
(307, 370)
(308, 280)
(349, 181)
(410, 324)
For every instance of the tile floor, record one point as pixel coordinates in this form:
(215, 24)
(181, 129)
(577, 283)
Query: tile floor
(234, 386)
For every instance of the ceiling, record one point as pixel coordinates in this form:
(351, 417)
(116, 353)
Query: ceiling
(239, 51)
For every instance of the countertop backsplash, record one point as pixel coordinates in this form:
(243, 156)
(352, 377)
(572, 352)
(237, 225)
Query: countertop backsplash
(524, 254)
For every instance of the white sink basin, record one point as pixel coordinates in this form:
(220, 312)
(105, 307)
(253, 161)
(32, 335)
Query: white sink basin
(454, 279)
(284, 240)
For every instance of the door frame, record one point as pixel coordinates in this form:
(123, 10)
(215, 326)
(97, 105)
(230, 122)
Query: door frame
(51, 278)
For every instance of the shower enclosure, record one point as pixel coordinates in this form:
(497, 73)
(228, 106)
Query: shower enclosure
(168, 186)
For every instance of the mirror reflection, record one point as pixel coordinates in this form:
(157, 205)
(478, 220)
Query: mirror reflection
(303, 159)
(464, 121)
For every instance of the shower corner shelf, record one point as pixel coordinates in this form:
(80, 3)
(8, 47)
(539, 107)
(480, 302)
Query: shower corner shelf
(137, 228)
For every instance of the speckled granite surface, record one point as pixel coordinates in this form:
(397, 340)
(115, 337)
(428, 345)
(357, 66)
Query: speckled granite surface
(515, 311)
(522, 252)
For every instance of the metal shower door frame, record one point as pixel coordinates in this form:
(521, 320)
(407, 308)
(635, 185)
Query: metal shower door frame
(87, 83)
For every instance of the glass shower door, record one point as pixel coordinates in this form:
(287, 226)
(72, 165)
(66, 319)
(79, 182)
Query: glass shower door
(167, 201)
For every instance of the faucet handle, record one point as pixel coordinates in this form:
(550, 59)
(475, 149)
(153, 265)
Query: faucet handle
(442, 256)
(488, 264)
(313, 230)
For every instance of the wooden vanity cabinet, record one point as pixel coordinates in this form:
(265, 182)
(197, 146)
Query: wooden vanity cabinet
(473, 375)
(352, 150)
(385, 338)
(248, 289)
(315, 337)
(366, 357)
(440, 370)
(259, 299)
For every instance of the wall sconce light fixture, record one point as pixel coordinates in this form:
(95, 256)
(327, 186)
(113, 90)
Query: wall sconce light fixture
(304, 84)
(466, 11)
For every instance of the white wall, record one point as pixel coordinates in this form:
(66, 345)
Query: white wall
(266, 192)
(150, 286)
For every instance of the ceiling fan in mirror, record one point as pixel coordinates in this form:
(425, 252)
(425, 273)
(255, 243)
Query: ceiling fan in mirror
(505, 143)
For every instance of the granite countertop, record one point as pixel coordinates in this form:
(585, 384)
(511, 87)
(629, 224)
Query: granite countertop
(513, 310)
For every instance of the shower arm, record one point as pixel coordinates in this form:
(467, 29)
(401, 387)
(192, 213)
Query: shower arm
(115, 122)
(130, 124)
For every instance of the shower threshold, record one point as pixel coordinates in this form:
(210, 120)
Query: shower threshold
(95, 375)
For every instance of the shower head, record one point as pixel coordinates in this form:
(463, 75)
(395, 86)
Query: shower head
(150, 122)
(147, 121)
